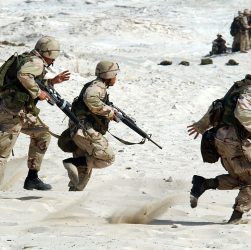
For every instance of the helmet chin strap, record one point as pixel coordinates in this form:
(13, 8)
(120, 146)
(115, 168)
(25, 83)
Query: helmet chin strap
(36, 53)
(48, 65)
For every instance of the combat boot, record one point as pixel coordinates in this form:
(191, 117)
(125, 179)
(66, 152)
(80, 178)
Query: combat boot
(72, 173)
(235, 217)
(76, 168)
(33, 182)
(36, 183)
(200, 185)
(84, 175)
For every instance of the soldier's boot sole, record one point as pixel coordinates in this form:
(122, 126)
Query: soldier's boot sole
(193, 201)
(197, 190)
(72, 174)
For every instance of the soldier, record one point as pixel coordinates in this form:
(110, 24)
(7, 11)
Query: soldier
(219, 46)
(235, 31)
(229, 141)
(92, 148)
(249, 31)
(19, 93)
(244, 34)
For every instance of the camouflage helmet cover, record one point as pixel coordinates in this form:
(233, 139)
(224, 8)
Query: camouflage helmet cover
(48, 47)
(106, 69)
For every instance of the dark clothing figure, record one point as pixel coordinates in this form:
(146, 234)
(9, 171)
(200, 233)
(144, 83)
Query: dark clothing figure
(249, 31)
(219, 46)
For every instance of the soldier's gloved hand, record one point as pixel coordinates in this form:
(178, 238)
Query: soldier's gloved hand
(192, 129)
(64, 76)
(116, 117)
(43, 96)
(113, 116)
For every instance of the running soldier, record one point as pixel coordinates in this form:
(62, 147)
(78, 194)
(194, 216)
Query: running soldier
(228, 139)
(19, 94)
(92, 149)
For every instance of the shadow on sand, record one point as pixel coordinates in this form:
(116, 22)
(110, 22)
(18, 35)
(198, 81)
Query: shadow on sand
(25, 198)
(184, 223)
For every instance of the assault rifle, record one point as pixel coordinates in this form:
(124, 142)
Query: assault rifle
(55, 98)
(65, 106)
(131, 123)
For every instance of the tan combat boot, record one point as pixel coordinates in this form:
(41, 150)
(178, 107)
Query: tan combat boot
(72, 173)
(84, 174)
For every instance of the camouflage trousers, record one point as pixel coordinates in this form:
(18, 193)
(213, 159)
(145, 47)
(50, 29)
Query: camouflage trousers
(244, 41)
(236, 159)
(10, 128)
(95, 151)
(94, 147)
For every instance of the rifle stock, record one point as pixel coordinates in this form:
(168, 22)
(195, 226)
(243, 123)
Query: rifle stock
(60, 102)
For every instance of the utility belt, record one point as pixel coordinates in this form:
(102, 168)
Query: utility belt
(97, 122)
(17, 100)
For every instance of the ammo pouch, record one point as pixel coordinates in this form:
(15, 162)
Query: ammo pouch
(13, 99)
(208, 150)
(99, 123)
(66, 143)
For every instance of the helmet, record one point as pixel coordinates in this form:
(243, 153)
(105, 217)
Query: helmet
(106, 69)
(48, 47)
(246, 12)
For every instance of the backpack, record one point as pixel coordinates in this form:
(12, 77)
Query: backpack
(222, 113)
(13, 61)
(66, 143)
(4, 68)
(236, 26)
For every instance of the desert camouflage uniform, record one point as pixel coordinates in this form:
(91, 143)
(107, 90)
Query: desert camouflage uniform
(235, 153)
(244, 35)
(14, 120)
(92, 145)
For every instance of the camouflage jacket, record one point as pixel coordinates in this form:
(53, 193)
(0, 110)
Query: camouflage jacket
(242, 111)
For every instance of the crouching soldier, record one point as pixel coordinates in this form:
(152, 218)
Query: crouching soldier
(92, 149)
(219, 46)
(228, 139)
(19, 94)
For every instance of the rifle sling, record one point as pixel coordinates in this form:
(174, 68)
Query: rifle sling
(119, 139)
(53, 134)
(127, 142)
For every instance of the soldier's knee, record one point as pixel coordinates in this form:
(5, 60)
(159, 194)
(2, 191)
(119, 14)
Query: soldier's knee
(101, 162)
(41, 142)
(105, 154)
(46, 139)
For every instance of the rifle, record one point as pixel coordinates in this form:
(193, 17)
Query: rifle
(66, 108)
(131, 123)
(59, 101)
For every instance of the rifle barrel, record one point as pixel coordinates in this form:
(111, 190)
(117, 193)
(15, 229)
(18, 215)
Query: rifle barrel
(154, 143)
(135, 128)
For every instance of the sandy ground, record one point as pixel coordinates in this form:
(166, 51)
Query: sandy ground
(142, 200)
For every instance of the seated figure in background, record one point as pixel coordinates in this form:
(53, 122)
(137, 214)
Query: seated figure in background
(219, 46)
